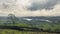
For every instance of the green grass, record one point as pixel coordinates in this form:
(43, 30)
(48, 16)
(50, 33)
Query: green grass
(44, 26)
(9, 31)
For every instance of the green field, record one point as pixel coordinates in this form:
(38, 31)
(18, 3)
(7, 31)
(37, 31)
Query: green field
(9, 31)
(44, 26)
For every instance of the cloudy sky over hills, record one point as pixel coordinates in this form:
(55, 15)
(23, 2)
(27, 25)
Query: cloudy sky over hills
(30, 7)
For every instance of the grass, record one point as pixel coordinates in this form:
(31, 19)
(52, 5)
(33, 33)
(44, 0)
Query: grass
(9, 31)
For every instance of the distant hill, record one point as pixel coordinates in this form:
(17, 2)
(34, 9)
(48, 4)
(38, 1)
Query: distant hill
(37, 18)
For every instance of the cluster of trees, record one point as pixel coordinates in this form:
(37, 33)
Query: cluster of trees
(12, 20)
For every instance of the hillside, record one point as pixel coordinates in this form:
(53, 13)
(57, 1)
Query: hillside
(44, 23)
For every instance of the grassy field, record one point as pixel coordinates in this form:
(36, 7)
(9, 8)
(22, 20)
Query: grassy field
(9, 31)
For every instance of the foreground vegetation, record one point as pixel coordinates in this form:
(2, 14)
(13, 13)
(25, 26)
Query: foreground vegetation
(44, 26)
(9, 31)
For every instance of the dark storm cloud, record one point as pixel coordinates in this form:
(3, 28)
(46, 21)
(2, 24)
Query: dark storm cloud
(48, 5)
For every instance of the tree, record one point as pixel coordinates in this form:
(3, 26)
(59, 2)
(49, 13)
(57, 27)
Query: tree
(12, 19)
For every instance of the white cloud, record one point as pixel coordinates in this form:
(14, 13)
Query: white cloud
(19, 8)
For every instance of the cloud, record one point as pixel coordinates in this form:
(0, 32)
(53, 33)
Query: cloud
(4, 4)
(30, 7)
(43, 4)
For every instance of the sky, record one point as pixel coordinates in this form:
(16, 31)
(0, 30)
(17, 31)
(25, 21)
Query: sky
(30, 7)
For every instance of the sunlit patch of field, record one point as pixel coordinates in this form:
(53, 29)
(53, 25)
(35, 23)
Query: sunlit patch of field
(9, 31)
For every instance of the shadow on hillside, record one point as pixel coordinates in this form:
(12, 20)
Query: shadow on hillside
(25, 29)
